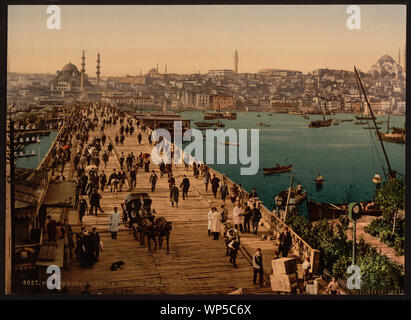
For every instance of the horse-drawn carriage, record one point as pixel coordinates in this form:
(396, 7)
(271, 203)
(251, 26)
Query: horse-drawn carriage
(136, 204)
(138, 216)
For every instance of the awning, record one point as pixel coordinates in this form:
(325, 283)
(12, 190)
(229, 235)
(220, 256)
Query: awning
(60, 194)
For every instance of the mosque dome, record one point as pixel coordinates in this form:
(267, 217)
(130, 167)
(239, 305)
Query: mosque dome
(152, 71)
(70, 67)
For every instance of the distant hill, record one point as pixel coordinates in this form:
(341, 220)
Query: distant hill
(385, 66)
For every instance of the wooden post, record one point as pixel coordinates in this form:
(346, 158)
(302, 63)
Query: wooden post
(315, 261)
(288, 198)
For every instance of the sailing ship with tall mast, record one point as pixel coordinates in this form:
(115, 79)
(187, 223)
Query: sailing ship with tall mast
(321, 123)
(391, 173)
(397, 135)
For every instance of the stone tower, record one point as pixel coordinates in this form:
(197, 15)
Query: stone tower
(236, 62)
(98, 69)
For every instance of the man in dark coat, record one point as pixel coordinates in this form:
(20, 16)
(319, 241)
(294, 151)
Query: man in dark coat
(285, 242)
(95, 243)
(85, 249)
(153, 180)
(215, 183)
(82, 209)
(95, 202)
(255, 218)
(185, 185)
(103, 180)
(174, 193)
(133, 177)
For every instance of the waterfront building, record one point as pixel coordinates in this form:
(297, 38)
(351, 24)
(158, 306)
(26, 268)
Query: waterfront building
(202, 100)
(221, 101)
(220, 73)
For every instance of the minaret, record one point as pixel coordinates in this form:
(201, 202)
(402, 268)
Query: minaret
(236, 62)
(83, 70)
(165, 69)
(165, 105)
(98, 69)
(157, 66)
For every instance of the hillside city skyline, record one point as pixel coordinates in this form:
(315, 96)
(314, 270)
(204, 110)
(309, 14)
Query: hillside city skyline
(164, 69)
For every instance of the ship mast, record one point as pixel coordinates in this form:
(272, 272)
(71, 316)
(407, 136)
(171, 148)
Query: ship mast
(373, 119)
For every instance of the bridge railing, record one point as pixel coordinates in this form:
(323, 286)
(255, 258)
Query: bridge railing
(44, 164)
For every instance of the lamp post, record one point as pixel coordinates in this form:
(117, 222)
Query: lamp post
(354, 213)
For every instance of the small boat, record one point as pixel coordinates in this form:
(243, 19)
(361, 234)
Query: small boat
(346, 120)
(270, 114)
(263, 125)
(298, 197)
(392, 137)
(279, 169)
(295, 112)
(320, 123)
(258, 115)
(306, 117)
(220, 124)
(360, 122)
(319, 179)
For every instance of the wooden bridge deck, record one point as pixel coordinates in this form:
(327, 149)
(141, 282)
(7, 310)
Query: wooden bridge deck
(196, 264)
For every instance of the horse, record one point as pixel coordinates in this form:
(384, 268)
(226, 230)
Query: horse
(163, 229)
(148, 229)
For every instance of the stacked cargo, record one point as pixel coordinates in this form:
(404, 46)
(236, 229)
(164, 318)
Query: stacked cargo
(284, 277)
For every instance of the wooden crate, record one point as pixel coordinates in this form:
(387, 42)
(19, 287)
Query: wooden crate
(284, 282)
(284, 265)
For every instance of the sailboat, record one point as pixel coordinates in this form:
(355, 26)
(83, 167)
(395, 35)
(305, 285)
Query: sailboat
(396, 136)
(320, 123)
(391, 173)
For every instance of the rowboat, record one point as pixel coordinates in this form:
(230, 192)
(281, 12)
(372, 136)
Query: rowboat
(263, 124)
(319, 180)
(297, 197)
(277, 169)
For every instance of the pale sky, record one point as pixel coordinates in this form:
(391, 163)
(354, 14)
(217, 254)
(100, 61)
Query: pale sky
(192, 38)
